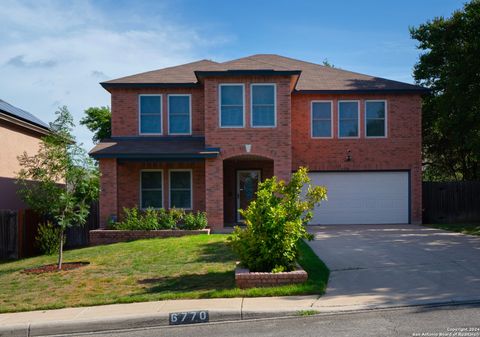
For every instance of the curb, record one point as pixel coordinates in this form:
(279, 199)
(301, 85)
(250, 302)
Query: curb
(162, 319)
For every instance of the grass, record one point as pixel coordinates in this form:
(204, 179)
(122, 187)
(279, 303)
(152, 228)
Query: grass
(146, 270)
(470, 229)
(305, 313)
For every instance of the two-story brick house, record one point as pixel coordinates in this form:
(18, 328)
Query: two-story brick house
(200, 136)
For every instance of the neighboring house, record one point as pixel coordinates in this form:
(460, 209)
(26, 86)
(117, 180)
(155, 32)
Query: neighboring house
(20, 132)
(200, 136)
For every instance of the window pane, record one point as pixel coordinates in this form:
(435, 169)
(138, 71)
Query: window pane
(179, 104)
(231, 95)
(152, 179)
(348, 110)
(263, 116)
(349, 128)
(232, 116)
(321, 110)
(180, 179)
(150, 104)
(180, 199)
(376, 128)
(321, 128)
(375, 109)
(150, 124)
(179, 124)
(151, 199)
(263, 94)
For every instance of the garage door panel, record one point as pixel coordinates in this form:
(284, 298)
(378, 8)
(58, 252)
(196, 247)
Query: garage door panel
(362, 197)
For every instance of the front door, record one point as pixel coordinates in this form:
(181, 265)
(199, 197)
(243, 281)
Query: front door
(247, 185)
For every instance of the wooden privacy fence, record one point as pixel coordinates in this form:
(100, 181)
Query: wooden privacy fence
(451, 202)
(18, 229)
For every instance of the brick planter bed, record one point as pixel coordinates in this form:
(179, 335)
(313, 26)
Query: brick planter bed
(107, 236)
(246, 279)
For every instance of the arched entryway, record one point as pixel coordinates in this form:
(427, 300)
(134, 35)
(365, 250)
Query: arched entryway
(241, 175)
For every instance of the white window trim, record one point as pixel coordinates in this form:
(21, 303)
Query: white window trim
(140, 115)
(190, 114)
(220, 105)
(331, 119)
(170, 188)
(274, 106)
(141, 189)
(358, 119)
(385, 119)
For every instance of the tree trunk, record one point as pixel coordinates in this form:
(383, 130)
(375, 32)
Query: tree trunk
(60, 251)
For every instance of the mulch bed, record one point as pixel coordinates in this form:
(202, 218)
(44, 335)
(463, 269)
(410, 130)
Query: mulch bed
(49, 268)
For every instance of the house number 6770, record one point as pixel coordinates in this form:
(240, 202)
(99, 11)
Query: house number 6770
(188, 317)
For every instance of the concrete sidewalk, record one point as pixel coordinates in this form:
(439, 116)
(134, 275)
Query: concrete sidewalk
(150, 314)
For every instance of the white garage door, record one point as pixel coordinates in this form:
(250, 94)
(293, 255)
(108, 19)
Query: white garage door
(362, 198)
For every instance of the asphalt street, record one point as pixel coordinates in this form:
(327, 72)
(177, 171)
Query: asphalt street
(456, 321)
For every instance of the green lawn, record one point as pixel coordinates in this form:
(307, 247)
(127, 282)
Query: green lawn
(471, 229)
(147, 270)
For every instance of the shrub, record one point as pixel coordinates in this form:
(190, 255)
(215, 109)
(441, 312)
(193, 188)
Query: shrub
(149, 219)
(195, 220)
(48, 238)
(275, 222)
(169, 219)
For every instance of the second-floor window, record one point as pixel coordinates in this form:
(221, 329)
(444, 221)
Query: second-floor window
(263, 105)
(179, 114)
(348, 119)
(375, 119)
(232, 108)
(321, 119)
(150, 107)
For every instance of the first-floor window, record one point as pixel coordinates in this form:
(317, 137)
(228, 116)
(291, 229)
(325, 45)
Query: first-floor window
(375, 118)
(181, 189)
(151, 189)
(348, 119)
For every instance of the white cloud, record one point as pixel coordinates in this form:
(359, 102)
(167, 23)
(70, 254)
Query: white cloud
(55, 53)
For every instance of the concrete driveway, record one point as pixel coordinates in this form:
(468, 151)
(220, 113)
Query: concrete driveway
(381, 266)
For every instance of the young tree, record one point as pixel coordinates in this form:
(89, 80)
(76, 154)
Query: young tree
(61, 180)
(99, 121)
(450, 67)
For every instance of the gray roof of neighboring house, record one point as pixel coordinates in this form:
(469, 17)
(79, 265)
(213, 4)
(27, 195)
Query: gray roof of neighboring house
(313, 77)
(11, 110)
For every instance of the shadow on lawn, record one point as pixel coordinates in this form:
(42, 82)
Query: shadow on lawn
(191, 282)
(219, 252)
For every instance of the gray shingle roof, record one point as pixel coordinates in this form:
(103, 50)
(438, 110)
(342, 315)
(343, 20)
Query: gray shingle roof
(313, 77)
(11, 110)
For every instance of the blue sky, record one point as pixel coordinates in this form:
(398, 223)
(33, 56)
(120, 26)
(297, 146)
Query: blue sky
(55, 52)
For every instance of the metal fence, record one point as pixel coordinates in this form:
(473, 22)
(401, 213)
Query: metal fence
(451, 202)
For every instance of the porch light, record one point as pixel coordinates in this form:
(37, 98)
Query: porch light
(248, 147)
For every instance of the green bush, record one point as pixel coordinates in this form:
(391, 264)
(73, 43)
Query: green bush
(48, 238)
(149, 219)
(275, 222)
(195, 220)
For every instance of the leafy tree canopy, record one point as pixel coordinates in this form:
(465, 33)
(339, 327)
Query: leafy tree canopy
(450, 66)
(61, 180)
(99, 121)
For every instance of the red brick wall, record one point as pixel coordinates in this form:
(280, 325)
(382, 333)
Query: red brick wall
(230, 168)
(400, 150)
(108, 190)
(125, 109)
(273, 143)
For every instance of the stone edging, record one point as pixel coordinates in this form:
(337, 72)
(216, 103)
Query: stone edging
(107, 236)
(246, 279)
